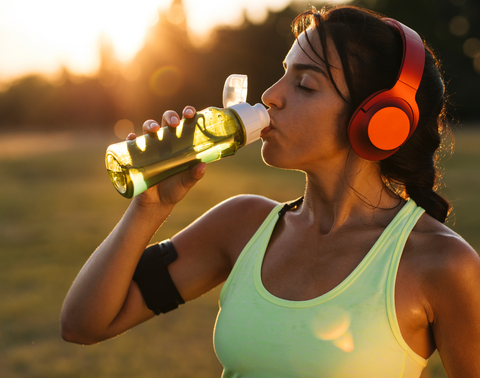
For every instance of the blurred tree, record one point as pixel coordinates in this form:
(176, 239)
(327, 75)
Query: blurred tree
(37, 103)
(169, 72)
(85, 102)
(27, 102)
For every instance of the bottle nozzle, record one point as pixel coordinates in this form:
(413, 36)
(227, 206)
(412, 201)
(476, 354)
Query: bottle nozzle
(254, 119)
(235, 90)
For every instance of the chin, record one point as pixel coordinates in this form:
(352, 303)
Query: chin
(275, 159)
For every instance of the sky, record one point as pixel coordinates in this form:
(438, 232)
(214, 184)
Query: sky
(41, 36)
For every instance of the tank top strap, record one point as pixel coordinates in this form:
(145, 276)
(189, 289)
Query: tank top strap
(388, 248)
(289, 206)
(414, 214)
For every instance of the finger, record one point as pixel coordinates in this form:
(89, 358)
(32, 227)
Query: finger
(131, 136)
(150, 126)
(190, 178)
(189, 111)
(170, 118)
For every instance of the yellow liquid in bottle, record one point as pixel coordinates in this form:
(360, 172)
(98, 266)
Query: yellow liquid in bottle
(136, 165)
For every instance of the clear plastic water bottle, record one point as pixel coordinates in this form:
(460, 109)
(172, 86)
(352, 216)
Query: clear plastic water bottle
(213, 134)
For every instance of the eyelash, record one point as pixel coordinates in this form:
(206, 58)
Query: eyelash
(304, 89)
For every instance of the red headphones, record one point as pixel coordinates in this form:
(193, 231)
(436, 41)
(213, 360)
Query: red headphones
(386, 119)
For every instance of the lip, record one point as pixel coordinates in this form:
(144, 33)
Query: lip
(265, 131)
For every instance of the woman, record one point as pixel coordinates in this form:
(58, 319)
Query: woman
(359, 278)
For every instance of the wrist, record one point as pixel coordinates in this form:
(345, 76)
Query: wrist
(150, 210)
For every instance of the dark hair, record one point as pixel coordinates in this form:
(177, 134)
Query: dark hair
(370, 52)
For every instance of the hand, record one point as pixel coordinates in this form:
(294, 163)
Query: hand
(173, 189)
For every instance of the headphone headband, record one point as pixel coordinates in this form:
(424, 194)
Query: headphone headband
(411, 69)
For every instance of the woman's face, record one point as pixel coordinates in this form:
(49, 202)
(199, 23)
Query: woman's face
(308, 117)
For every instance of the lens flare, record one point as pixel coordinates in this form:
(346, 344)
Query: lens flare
(123, 127)
(166, 81)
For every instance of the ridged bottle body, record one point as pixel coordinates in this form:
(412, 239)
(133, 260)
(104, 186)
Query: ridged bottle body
(136, 165)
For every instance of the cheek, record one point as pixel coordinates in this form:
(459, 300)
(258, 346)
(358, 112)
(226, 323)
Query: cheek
(342, 131)
(315, 132)
(331, 125)
(342, 119)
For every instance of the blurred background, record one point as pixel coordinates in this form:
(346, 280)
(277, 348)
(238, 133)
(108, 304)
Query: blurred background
(77, 76)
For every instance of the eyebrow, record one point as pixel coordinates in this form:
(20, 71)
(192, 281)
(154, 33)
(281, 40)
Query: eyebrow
(307, 67)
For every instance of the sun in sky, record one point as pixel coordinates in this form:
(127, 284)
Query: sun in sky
(42, 36)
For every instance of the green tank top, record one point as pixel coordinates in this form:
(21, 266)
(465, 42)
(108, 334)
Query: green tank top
(351, 331)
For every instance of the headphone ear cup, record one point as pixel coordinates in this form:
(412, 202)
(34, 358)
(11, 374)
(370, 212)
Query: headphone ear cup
(388, 128)
(377, 133)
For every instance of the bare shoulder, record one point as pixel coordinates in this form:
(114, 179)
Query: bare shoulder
(246, 205)
(228, 226)
(243, 211)
(242, 216)
(441, 246)
(443, 261)
(436, 249)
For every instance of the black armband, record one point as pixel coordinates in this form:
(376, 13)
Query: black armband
(153, 278)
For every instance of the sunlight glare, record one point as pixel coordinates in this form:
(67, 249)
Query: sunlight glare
(43, 36)
(160, 134)
(141, 143)
(203, 15)
(47, 34)
(334, 325)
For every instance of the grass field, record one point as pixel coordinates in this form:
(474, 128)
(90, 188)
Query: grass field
(57, 205)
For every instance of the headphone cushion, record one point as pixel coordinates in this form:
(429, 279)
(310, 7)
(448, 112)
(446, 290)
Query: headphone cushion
(388, 128)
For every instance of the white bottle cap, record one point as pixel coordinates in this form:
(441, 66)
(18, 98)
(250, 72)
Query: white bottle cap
(254, 119)
(235, 90)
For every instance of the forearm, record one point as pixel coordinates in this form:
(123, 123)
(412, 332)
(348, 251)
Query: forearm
(99, 293)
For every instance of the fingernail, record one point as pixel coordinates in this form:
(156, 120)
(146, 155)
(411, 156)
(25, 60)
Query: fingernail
(152, 125)
(189, 112)
(174, 120)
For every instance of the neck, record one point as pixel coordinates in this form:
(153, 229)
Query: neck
(354, 193)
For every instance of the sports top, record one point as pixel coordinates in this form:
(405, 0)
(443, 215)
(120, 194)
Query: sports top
(351, 331)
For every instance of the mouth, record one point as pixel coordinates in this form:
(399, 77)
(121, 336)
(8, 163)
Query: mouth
(265, 131)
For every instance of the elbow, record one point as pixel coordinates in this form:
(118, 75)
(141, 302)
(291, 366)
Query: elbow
(75, 334)
(75, 337)
(71, 337)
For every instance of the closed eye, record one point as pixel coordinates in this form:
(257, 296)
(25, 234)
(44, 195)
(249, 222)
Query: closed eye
(304, 89)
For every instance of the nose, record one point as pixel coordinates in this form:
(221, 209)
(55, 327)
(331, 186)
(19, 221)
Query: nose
(273, 97)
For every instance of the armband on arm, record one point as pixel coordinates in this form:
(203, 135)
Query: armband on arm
(154, 280)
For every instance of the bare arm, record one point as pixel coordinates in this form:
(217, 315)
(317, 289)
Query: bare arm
(103, 301)
(104, 284)
(454, 292)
